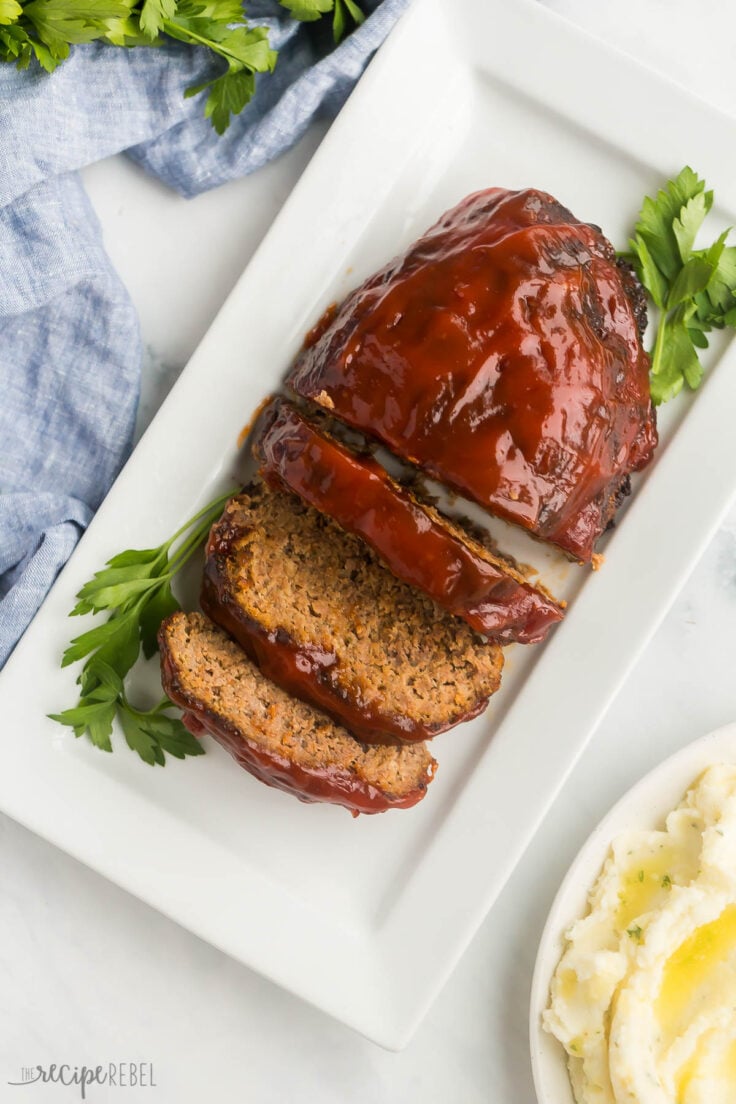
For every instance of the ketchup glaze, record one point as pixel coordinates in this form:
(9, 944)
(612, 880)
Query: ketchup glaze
(359, 494)
(502, 354)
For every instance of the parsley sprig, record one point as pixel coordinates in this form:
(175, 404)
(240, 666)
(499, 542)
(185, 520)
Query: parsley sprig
(695, 289)
(134, 589)
(343, 12)
(44, 31)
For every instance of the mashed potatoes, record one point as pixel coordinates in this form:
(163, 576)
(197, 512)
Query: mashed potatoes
(644, 998)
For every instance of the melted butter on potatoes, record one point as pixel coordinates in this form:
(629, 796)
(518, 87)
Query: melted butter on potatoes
(644, 997)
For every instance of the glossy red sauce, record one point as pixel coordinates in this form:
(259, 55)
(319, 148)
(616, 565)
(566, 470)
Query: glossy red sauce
(337, 787)
(360, 495)
(501, 353)
(323, 322)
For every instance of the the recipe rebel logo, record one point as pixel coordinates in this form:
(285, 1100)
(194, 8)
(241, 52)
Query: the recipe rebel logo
(113, 1075)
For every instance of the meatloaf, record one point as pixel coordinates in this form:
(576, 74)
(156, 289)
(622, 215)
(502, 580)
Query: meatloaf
(413, 540)
(323, 618)
(282, 741)
(501, 353)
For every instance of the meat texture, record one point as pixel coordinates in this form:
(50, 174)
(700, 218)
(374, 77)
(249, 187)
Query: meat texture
(278, 739)
(323, 618)
(502, 354)
(417, 543)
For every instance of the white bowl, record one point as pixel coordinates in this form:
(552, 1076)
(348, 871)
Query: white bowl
(644, 806)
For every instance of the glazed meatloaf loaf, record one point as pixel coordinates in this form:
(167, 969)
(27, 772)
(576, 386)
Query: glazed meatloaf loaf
(282, 741)
(414, 541)
(323, 618)
(502, 354)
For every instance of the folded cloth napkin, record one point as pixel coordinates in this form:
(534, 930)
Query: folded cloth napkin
(70, 348)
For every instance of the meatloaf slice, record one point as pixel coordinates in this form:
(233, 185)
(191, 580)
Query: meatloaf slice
(415, 541)
(501, 353)
(323, 618)
(282, 741)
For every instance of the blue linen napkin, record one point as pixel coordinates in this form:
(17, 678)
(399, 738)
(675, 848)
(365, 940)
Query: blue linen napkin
(70, 347)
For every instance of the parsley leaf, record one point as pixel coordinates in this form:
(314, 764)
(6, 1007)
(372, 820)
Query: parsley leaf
(57, 24)
(693, 277)
(344, 10)
(134, 589)
(649, 274)
(228, 95)
(114, 637)
(689, 221)
(9, 12)
(154, 14)
(121, 649)
(657, 217)
(152, 734)
(245, 50)
(695, 289)
(308, 10)
(161, 605)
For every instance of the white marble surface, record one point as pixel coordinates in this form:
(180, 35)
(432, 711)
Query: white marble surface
(88, 974)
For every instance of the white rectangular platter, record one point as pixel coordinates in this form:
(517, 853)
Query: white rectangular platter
(366, 918)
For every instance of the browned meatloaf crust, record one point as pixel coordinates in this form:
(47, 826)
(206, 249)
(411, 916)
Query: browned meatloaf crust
(502, 354)
(280, 740)
(323, 618)
(414, 540)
